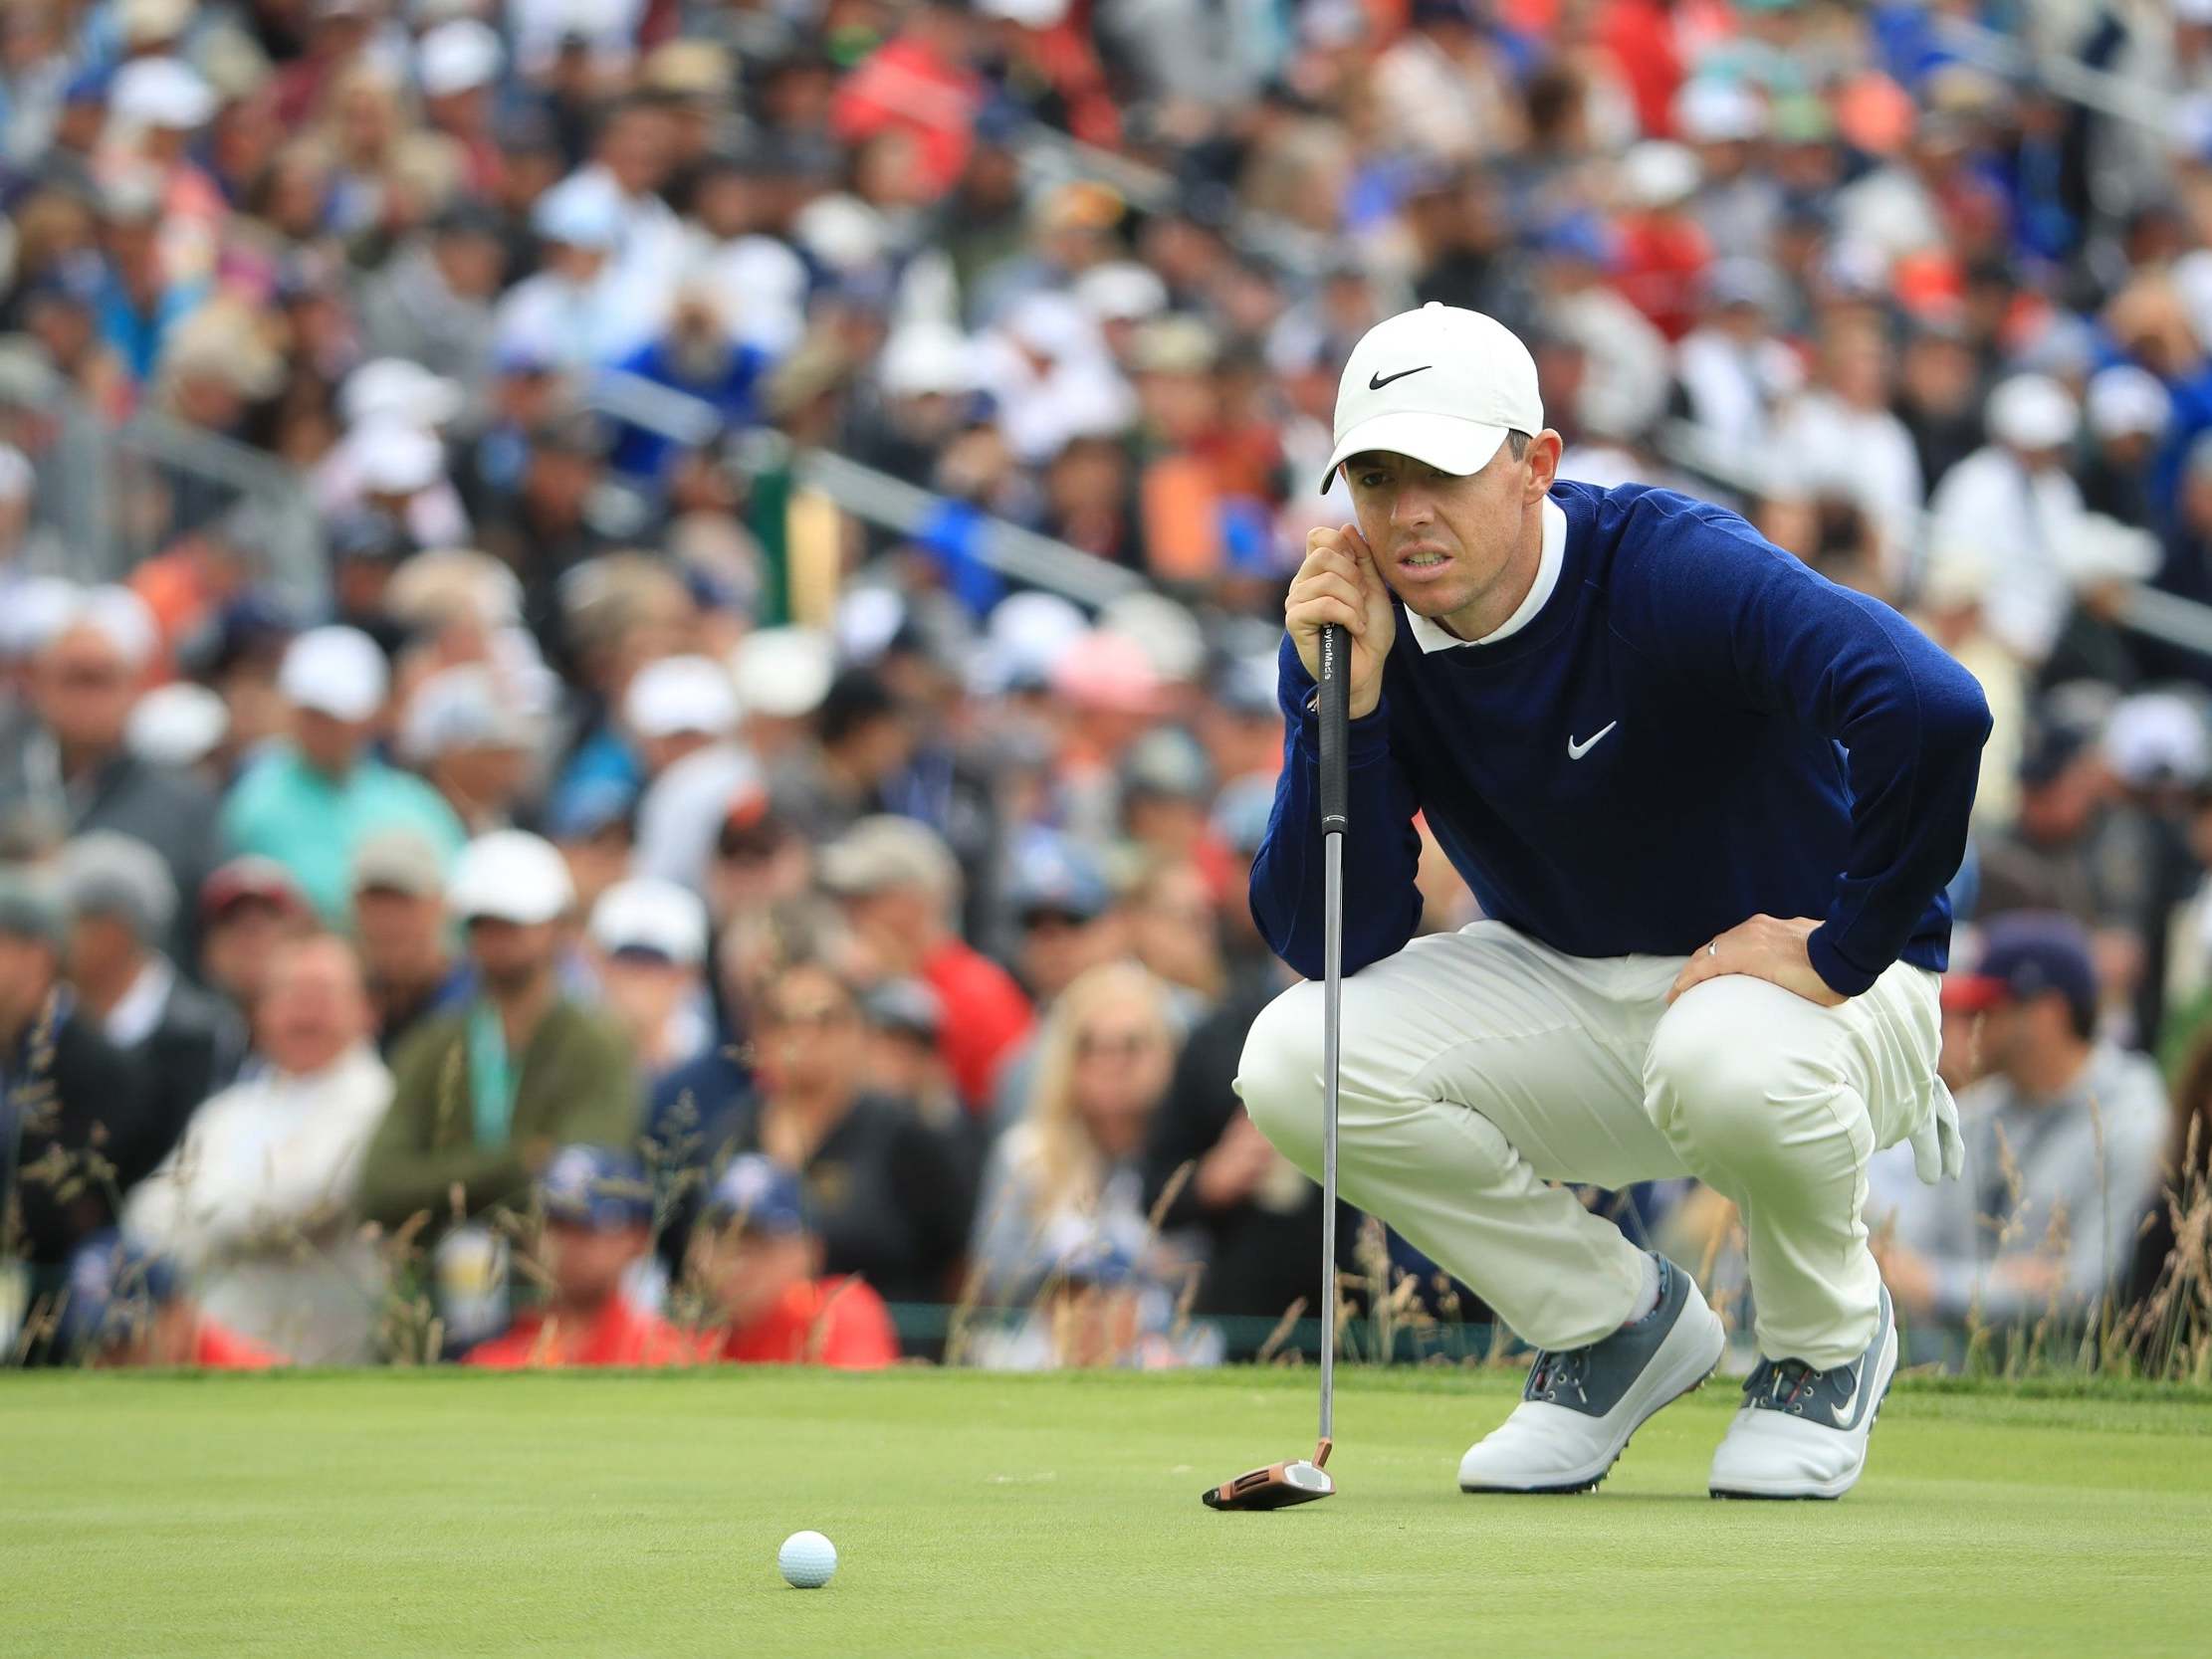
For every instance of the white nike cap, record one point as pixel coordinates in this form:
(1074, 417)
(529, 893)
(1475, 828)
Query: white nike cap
(1442, 384)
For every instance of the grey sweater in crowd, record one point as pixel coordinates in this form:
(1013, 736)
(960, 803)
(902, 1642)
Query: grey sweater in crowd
(2088, 1163)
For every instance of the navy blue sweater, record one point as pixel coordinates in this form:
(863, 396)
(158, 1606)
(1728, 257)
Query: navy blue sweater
(1780, 745)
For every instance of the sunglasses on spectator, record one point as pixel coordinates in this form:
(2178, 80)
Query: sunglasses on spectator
(1047, 917)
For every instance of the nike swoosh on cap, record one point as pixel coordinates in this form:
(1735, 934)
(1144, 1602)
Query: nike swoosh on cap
(1376, 383)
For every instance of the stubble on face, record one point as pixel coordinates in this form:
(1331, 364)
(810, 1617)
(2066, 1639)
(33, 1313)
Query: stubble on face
(1443, 541)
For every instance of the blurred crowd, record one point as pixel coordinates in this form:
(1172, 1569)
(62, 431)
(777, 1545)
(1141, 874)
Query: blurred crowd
(600, 899)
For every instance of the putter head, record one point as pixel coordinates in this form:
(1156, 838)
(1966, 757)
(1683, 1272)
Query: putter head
(1275, 1487)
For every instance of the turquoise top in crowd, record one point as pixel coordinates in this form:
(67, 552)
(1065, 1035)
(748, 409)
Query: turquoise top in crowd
(310, 823)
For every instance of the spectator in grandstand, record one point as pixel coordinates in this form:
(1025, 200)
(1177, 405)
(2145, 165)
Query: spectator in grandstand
(901, 892)
(484, 1093)
(1107, 1054)
(121, 903)
(2127, 411)
(2015, 501)
(761, 1266)
(125, 1307)
(65, 768)
(255, 1205)
(598, 1225)
(862, 741)
(79, 1125)
(683, 713)
(1175, 928)
(310, 803)
(649, 943)
(886, 1192)
(468, 730)
(432, 303)
(1256, 1220)
(246, 906)
(1065, 922)
(399, 922)
(2064, 1140)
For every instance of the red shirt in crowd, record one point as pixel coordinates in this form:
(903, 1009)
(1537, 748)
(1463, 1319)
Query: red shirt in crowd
(837, 1322)
(619, 1335)
(1662, 265)
(986, 1014)
(216, 1347)
(906, 86)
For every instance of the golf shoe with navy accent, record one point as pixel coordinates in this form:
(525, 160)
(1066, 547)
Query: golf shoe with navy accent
(1581, 1404)
(1802, 1433)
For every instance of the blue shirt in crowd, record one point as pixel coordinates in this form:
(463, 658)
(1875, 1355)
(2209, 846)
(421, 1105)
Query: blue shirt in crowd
(1693, 729)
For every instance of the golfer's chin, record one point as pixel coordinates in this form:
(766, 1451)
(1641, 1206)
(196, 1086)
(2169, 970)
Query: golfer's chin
(1434, 596)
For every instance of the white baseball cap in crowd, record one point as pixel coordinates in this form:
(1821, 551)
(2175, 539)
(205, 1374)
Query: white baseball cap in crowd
(510, 875)
(2032, 412)
(177, 725)
(466, 706)
(581, 211)
(678, 695)
(2157, 738)
(161, 92)
(122, 619)
(392, 457)
(38, 612)
(1122, 292)
(922, 358)
(784, 672)
(335, 671)
(1441, 384)
(2125, 401)
(400, 389)
(653, 917)
(1711, 109)
(458, 57)
(18, 478)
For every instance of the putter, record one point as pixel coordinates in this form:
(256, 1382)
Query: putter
(1281, 1485)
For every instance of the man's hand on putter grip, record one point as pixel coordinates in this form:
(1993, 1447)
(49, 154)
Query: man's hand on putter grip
(1339, 582)
(1769, 947)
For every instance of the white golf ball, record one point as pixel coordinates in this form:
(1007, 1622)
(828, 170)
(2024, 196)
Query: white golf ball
(806, 1561)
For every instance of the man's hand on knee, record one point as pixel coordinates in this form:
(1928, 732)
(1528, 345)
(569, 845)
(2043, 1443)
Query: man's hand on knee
(1769, 947)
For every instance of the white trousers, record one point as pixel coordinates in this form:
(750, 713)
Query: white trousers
(1480, 1068)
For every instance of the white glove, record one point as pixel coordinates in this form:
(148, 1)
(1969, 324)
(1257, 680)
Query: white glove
(1938, 1154)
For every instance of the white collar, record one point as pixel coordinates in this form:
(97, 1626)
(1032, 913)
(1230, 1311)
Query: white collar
(1434, 636)
(138, 1010)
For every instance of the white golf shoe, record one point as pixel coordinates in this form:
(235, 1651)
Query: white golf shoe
(1580, 1406)
(1802, 1433)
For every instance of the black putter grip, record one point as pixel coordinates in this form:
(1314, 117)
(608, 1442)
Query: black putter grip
(1336, 716)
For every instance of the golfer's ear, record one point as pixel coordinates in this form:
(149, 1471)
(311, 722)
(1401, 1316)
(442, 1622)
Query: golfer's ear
(1543, 464)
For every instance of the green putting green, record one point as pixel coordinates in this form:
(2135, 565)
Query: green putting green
(449, 1513)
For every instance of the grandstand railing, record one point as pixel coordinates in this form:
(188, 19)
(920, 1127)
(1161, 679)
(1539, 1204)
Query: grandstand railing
(105, 494)
(875, 497)
(118, 495)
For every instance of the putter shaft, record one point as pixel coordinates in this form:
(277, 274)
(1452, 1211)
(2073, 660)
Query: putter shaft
(1331, 1015)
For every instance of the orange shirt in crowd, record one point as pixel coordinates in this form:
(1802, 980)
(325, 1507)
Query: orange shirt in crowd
(621, 1335)
(837, 1322)
(986, 1014)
